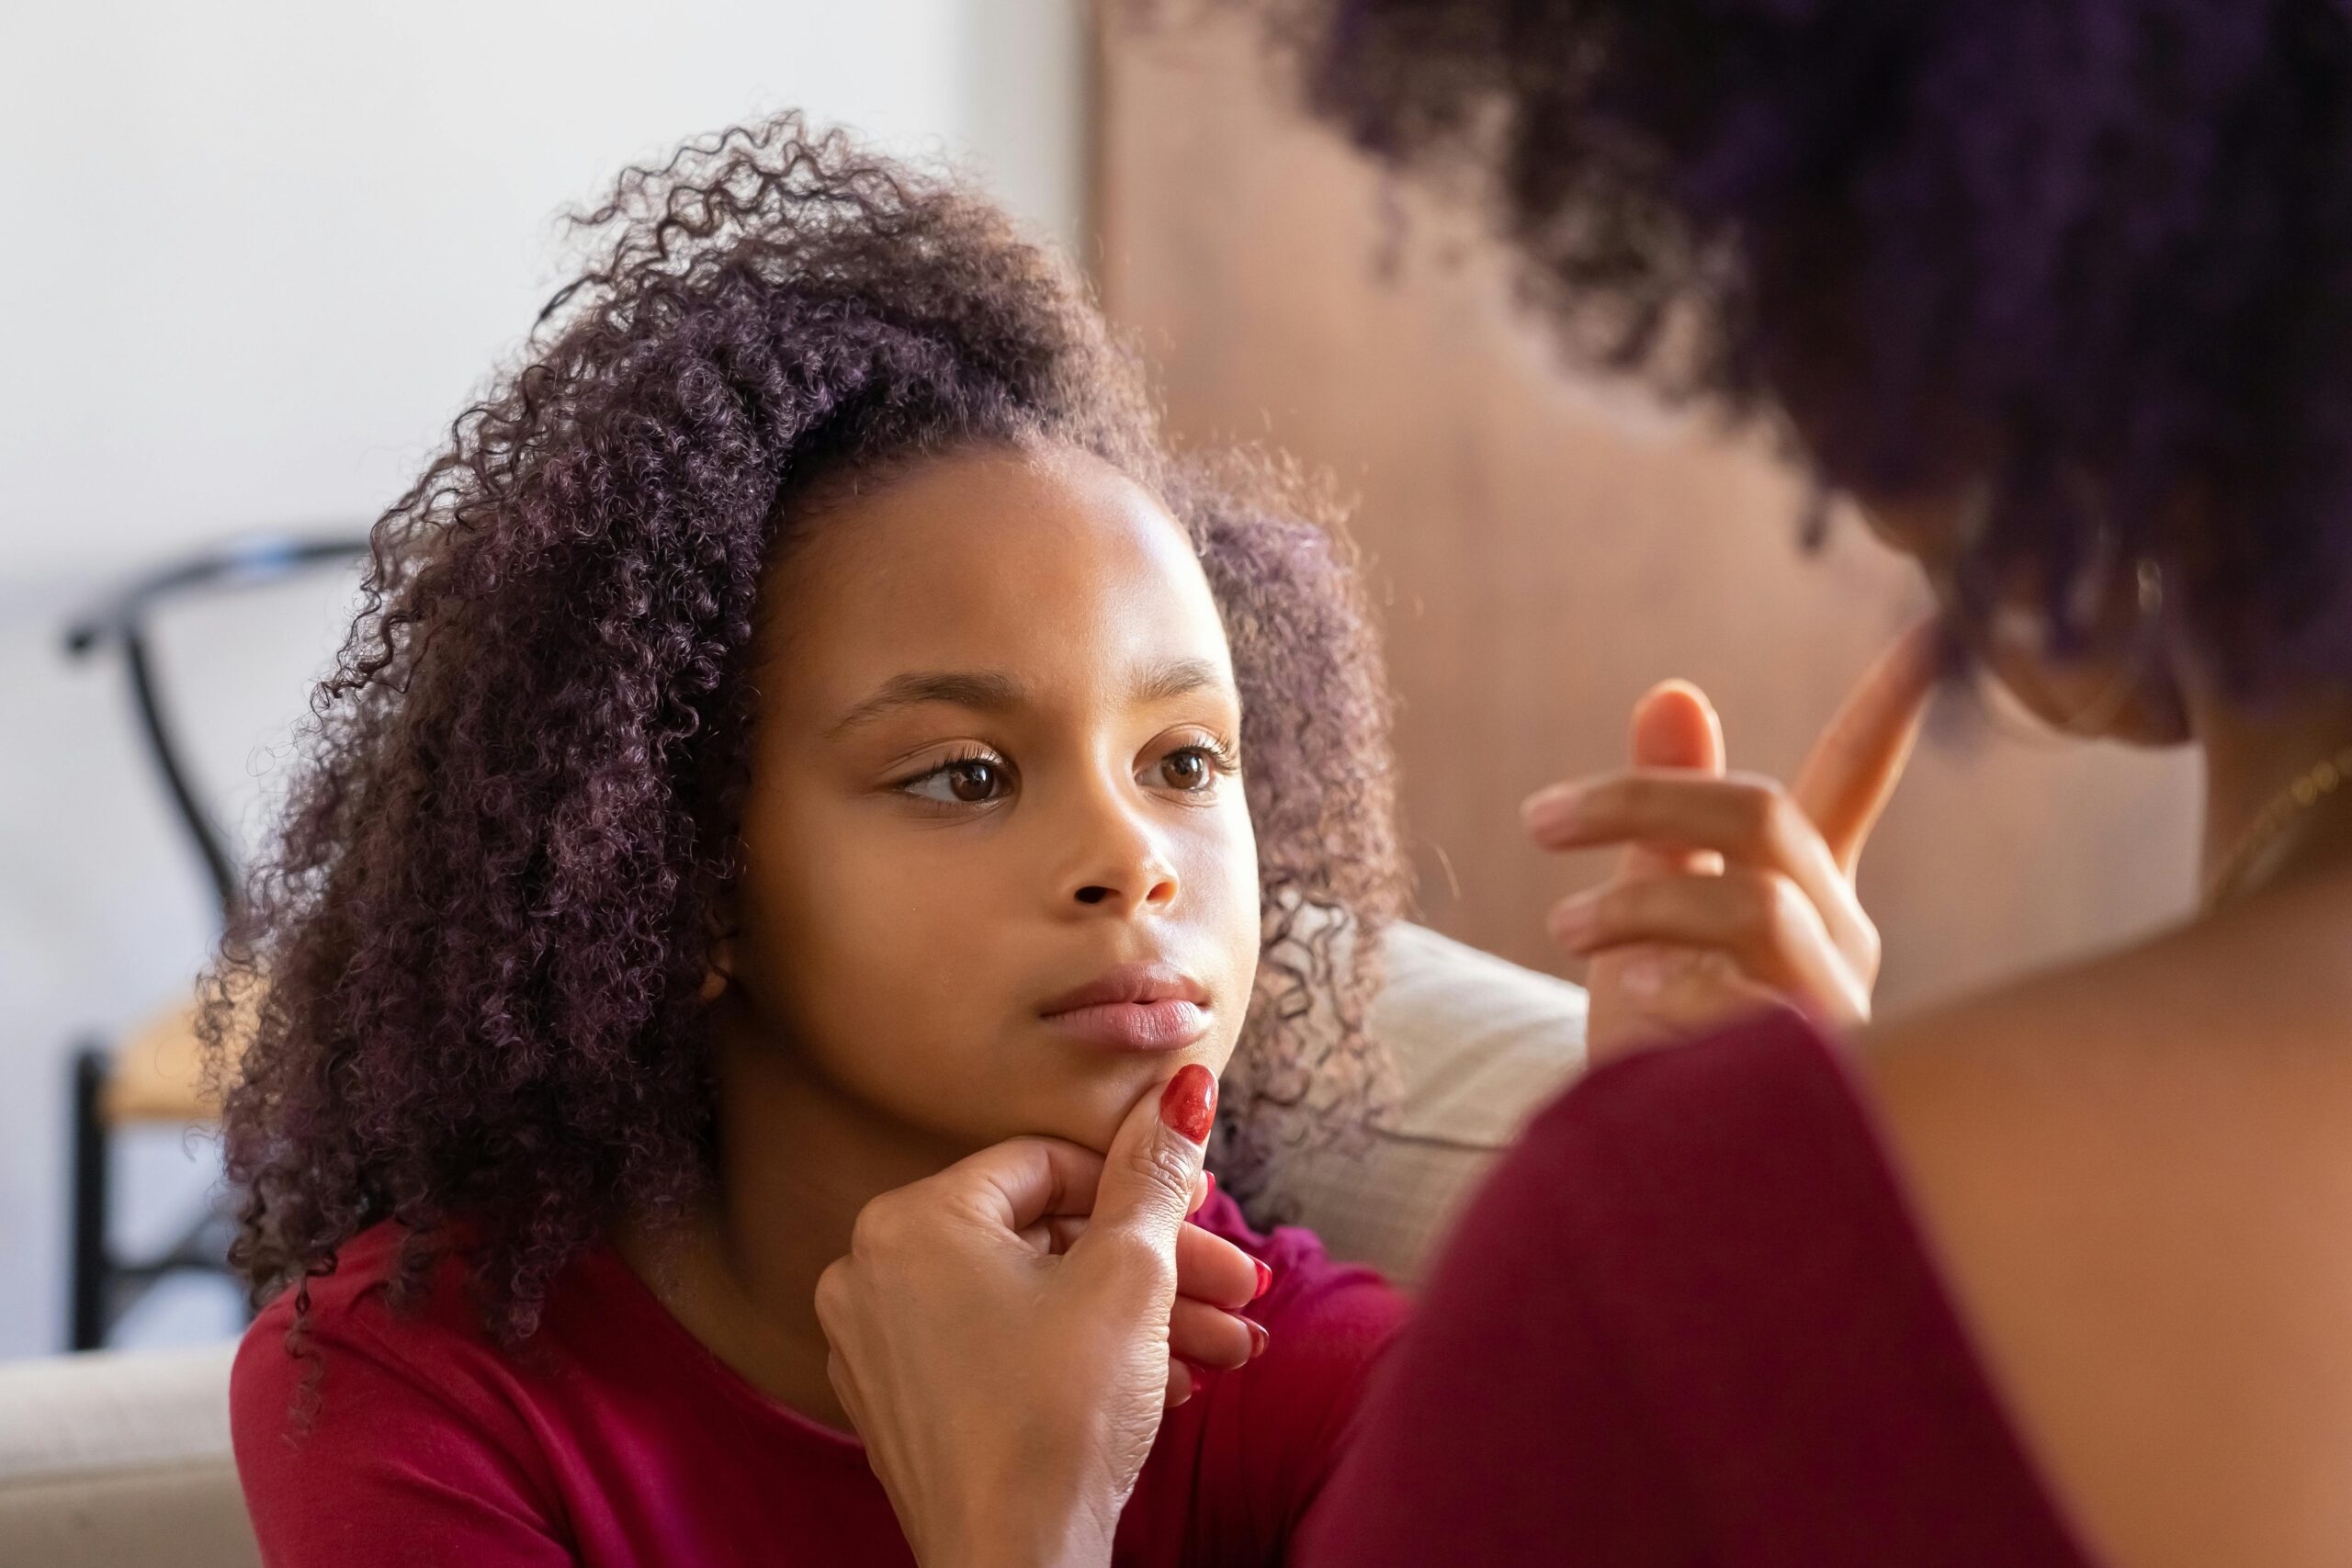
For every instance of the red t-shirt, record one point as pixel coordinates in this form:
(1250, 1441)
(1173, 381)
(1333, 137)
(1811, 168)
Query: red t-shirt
(615, 1438)
(1691, 1323)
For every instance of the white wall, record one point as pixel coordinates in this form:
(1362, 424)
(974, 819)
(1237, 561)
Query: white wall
(253, 258)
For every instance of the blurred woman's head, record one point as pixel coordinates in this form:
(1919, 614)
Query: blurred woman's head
(2057, 288)
(810, 644)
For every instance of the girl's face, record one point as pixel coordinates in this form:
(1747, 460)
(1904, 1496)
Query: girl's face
(999, 876)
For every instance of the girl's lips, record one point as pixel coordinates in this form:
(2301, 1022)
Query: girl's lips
(1169, 1024)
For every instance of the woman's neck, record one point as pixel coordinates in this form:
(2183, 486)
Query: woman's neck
(798, 1160)
(2254, 755)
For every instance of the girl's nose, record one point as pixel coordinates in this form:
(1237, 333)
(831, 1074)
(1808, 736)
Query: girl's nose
(1120, 865)
(1150, 883)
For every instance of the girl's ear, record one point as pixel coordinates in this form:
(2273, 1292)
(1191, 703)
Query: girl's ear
(719, 965)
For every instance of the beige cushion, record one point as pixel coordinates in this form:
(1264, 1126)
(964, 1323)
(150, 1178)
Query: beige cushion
(1479, 1045)
(115, 1459)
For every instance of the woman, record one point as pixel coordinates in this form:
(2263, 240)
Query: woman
(2053, 1275)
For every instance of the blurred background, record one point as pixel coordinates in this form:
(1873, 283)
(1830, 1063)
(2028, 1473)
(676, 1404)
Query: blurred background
(260, 255)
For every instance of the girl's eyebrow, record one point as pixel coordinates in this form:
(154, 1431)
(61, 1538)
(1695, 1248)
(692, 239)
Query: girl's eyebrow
(1173, 678)
(990, 691)
(985, 690)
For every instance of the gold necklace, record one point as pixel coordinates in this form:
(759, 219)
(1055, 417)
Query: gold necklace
(2316, 783)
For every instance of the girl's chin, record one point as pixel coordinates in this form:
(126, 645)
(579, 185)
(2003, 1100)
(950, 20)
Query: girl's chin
(1089, 1109)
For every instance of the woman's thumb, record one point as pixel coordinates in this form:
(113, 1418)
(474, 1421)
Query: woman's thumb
(1147, 1174)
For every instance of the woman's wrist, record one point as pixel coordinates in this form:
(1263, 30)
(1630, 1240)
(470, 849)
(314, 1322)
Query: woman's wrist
(1013, 1537)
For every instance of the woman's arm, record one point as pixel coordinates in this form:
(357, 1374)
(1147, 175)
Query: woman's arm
(1503, 1430)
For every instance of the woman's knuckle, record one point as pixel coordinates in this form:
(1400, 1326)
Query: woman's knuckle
(833, 1292)
(1782, 909)
(1133, 1254)
(1161, 1163)
(1870, 947)
(880, 1227)
(1769, 821)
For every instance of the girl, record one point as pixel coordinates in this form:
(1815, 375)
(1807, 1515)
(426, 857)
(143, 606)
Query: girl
(804, 730)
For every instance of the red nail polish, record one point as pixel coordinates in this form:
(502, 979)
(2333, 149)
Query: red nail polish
(1259, 1337)
(1188, 1105)
(1265, 1280)
(1208, 1190)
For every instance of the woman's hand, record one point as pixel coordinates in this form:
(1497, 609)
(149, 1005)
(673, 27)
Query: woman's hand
(1006, 1368)
(1213, 1278)
(1732, 892)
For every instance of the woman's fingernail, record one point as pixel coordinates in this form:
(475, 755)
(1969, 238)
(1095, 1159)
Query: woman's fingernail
(1259, 1337)
(1643, 977)
(1572, 920)
(1188, 1105)
(1265, 1280)
(1550, 808)
(1208, 1190)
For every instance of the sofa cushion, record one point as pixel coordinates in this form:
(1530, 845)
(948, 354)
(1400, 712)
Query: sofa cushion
(113, 1459)
(1479, 1045)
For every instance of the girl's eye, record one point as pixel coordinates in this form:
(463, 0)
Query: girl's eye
(1192, 770)
(967, 781)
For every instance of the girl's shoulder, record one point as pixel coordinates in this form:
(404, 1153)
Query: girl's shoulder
(346, 1405)
(362, 1305)
(352, 1339)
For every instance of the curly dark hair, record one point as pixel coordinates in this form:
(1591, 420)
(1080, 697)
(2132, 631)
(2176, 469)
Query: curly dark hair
(462, 990)
(2095, 256)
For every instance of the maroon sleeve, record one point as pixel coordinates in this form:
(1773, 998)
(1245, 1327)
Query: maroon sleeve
(359, 1459)
(1503, 1430)
(1691, 1319)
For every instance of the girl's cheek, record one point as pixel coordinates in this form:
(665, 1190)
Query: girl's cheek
(1233, 872)
(1222, 854)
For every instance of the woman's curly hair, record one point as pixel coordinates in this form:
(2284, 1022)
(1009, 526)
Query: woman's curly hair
(462, 993)
(2093, 254)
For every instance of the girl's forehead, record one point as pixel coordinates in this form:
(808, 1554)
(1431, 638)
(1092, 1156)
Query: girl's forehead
(1034, 563)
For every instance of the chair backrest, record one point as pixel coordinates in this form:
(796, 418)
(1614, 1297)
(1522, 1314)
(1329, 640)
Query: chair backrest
(123, 620)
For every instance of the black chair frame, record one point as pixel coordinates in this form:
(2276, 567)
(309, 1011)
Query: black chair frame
(104, 1284)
